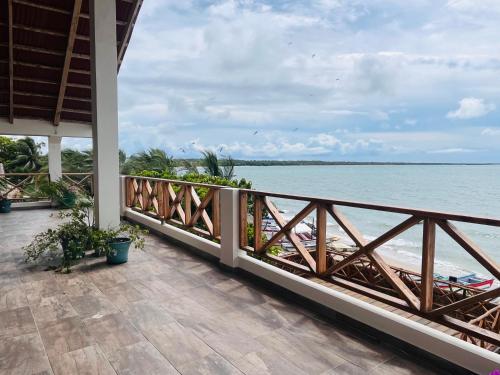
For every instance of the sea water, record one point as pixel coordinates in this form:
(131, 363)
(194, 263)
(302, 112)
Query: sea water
(466, 189)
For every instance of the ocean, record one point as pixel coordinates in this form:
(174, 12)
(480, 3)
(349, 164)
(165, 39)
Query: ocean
(466, 189)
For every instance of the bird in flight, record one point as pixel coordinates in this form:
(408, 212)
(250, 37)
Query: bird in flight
(313, 55)
(290, 43)
(221, 148)
(295, 129)
(255, 132)
(180, 148)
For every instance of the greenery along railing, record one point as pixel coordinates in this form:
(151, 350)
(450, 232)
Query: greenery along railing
(30, 187)
(471, 311)
(23, 187)
(191, 206)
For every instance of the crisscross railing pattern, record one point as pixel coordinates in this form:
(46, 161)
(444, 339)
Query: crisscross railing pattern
(81, 182)
(191, 206)
(471, 311)
(22, 186)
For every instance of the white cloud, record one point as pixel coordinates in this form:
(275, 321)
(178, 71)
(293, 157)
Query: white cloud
(452, 151)
(471, 108)
(490, 131)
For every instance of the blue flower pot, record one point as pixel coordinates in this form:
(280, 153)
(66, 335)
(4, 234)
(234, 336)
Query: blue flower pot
(119, 252)
(5, 206)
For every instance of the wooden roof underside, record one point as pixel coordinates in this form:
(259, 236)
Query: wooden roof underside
(45, 57)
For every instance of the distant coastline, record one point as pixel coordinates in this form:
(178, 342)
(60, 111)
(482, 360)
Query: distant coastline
(271, 163)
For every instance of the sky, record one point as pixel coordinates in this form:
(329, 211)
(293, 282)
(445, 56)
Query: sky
(357, 80)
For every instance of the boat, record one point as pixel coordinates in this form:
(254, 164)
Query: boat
(471, 280)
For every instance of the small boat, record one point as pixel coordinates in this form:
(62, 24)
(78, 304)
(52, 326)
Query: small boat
(470, 280)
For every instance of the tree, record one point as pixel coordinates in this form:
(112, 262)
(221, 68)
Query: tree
(154, 159)
(76, 161)
(27, 156)
(218, 167)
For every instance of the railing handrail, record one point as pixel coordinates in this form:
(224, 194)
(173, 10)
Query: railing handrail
(421, 213)
(177, 182)
(24, 174)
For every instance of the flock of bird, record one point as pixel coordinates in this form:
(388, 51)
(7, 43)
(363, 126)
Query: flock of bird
(256, 131)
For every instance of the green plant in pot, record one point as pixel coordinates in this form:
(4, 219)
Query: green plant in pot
(60, 193)
(115, 243)
(78, 234)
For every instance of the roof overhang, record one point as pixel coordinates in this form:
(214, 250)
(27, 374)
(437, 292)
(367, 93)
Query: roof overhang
(45, 71)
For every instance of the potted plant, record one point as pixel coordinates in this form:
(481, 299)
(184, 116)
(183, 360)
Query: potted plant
(5, 205)
(115, 243)
(60, 193)
(78, 234)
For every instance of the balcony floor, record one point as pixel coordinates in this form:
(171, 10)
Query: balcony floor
(165, 311)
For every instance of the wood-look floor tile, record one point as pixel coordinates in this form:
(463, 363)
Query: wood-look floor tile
(178, 344)
(112, 332)
(141, 358)
(12, 297)
(147, 315)
(64, 336)
(23, 355)
(266, 361)
(16, 322)
(37, 290)
(92, 305)
(208, 365)
(50, 309)
(313, 357)
(124, 294)
(106, 278)
(86, 361)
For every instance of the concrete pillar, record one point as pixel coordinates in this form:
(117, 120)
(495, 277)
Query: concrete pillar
(105, 112)
(55, 166)
(230, 227)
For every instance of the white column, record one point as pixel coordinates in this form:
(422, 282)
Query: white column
(55, 167)
(230, 227)
(105, 112)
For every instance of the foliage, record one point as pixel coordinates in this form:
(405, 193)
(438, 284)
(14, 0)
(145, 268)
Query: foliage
(76, 161)
(76, 235)
(22, 155)
(59, 192)
(273, 250)
(154, 159)
(218, 168)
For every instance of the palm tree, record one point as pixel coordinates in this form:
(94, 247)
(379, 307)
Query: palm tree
(218, 167)
(77, 161)
(28, 158)
(154, 159)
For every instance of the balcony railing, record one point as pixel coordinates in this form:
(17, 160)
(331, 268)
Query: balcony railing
(196, 208)
(471, 311)
(190, 206)
(25, 187)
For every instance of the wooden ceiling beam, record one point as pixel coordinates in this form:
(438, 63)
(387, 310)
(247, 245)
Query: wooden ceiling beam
(45, 31)
(11, 63)
(67, 59)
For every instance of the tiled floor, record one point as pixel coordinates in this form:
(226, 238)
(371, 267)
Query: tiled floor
(164, 312)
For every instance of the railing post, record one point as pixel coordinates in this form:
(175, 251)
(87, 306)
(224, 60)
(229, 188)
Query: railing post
(243, 202)
(257, 223)
(229, 244)
(124, 195)
(320, 239)
(428, 254)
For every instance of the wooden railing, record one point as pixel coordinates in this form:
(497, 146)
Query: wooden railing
(25, 187)
(80, 182)
(20, 187)
(191, 206)
(471, 311)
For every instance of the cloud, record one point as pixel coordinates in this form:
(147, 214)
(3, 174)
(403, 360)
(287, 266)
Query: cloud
(452, 151)
(490, 131)
(471, 108)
